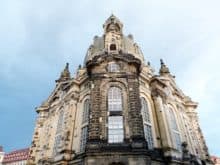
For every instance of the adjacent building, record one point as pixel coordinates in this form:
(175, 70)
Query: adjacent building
(1, 154)
(215, 160)
(18, 157)
(117, 111)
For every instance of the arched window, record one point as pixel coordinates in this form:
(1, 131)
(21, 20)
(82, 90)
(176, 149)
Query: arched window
(83, 139)
(175, 130)
(112, 47)
(115, 119)
(86, 106)
(58, 138)
(147, 123)
(114, 99)
(85, 119)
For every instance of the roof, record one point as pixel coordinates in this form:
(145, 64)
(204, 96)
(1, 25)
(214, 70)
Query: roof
(17, 155)
(125, 44)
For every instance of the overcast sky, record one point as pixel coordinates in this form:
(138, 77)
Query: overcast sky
(38, 37)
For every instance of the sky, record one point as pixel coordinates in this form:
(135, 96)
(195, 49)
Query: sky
(37, 38)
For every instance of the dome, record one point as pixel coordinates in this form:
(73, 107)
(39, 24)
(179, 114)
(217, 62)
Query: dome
(113, 37)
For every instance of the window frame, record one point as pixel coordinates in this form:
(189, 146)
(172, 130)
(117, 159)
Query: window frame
(147, 122)
(83, 138)
(58, 138)
(115, 100)
(175, 131)
(113, 67)
(115, 125)
(86, 109)
(85, 121)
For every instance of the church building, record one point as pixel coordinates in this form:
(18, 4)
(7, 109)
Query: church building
(117, 111)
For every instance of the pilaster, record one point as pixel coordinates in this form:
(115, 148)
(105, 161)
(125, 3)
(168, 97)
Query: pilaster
(94, 125)
(161, 119)
(135, 118)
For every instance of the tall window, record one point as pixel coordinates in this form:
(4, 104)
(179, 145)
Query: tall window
(115, 119)
(60, 122)
(84, 133)
(175, 130)
(57, 144)
(85, 119)
(86, 107)
(58, 138)
(114, 99)
(147, 123)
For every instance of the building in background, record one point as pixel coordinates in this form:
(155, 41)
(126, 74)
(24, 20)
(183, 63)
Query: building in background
(215, 160)
(1, 154)
(117, 111)
(18, 157)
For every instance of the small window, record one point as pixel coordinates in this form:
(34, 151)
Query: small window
(112, 47)
(113, 67)
(85, 120)
(58, 139)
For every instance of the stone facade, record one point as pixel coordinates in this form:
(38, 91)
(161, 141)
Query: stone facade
(117, 111)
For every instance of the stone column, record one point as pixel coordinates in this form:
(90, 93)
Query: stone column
(161, 119)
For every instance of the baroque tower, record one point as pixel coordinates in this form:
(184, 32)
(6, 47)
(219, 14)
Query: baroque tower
(117, 111)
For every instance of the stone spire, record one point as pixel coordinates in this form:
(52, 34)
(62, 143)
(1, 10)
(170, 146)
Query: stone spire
(65, 74)
(164, 70)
